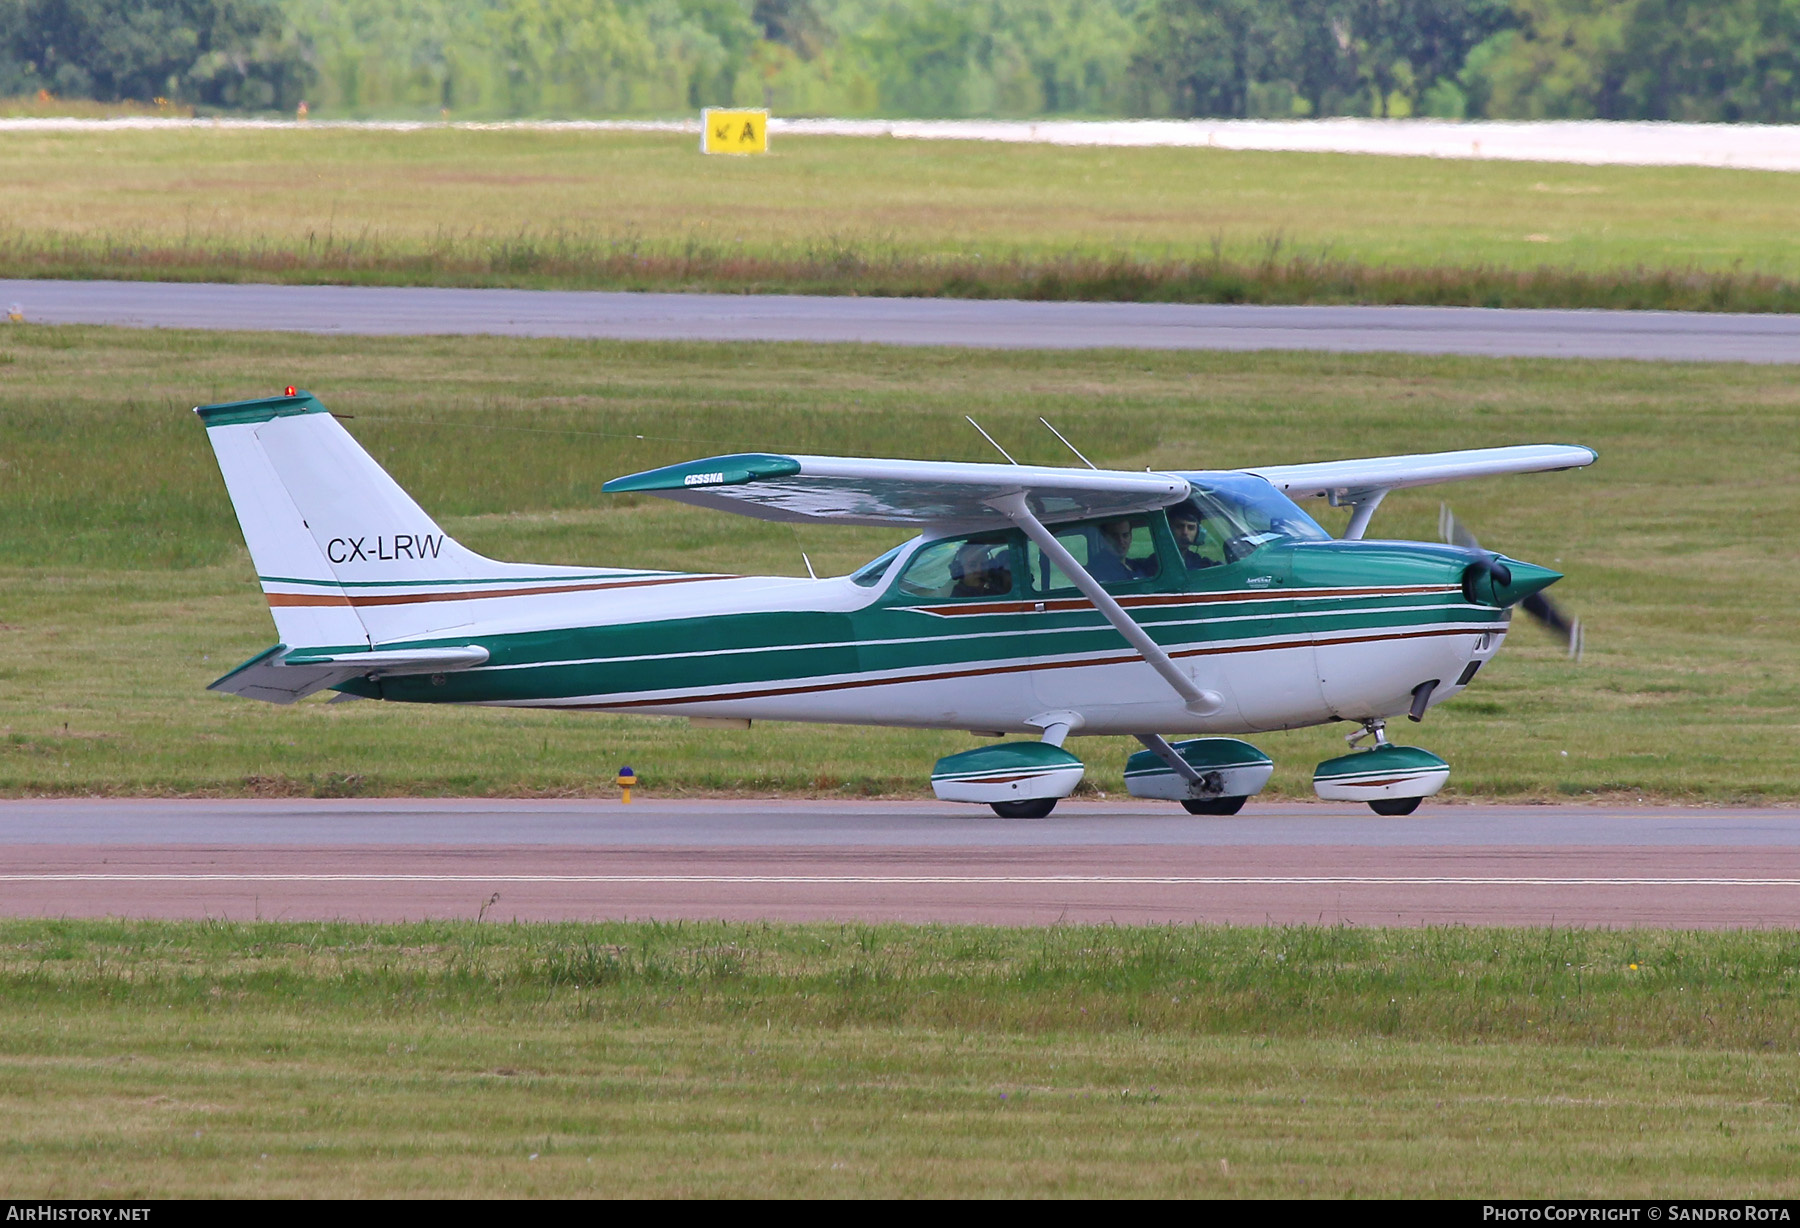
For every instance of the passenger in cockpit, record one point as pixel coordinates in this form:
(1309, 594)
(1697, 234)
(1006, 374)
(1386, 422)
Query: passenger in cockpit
(1109, 565)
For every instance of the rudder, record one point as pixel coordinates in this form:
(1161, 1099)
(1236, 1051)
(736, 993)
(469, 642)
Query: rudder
(323, 521)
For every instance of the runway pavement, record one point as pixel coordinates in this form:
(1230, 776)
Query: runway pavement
(1006, 324)
(872, 861)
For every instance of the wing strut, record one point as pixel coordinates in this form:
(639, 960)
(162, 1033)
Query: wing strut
(1159, 746)
(1362, 507)
(1199, 702)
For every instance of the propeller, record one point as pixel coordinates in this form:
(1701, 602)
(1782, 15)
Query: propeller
(1538, 606)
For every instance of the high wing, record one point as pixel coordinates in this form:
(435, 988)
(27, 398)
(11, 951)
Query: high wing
(857, 490)
(1363, 484)
(1347, 479)
(869, 491)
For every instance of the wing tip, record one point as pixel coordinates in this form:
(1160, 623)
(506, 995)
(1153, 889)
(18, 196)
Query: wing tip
(734, 470)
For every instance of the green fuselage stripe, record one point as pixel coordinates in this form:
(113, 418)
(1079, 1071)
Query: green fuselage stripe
(724, 652)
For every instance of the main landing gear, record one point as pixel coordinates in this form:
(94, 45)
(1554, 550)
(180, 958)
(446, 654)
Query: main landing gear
(1206, 775)
(1036, 808)
(1019, 780)
(1213, 805)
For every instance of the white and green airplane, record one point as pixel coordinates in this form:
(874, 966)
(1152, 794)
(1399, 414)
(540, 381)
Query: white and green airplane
(1033, 600)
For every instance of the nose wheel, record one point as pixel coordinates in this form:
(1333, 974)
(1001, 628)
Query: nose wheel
(1391, 779)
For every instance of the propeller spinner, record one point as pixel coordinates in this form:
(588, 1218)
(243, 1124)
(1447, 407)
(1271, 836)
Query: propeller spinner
(1538, 606)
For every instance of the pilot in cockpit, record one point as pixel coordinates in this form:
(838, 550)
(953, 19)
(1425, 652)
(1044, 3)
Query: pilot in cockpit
(1184, 523)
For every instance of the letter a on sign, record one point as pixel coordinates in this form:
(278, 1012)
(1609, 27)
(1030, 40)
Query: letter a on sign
(734, 132)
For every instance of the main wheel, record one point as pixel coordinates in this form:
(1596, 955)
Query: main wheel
(1395, 805)
(1036, 808)
(1213, 805)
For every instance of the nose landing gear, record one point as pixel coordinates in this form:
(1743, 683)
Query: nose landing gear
(1391, 779)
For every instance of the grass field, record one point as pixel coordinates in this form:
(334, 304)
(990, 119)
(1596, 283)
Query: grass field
(181, 1060)
(880, 216)
(125, 589)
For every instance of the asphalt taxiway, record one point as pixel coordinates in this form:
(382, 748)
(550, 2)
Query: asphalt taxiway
(998, 324)
(872, 861)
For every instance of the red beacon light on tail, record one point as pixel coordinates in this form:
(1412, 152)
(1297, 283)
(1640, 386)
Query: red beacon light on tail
(289, 391)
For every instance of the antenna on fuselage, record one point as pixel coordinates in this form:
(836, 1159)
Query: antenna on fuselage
(811, 574)
(1002, 451)
(1065, 443)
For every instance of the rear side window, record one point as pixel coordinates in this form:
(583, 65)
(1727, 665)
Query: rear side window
(1118, 550)
(962, 567)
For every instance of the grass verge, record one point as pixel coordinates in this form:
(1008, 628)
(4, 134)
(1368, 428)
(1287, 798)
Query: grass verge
(541, 261)
(183, 1059)
(125, 589)
(830, 215)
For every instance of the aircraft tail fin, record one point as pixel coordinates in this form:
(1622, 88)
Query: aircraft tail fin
(346, 558)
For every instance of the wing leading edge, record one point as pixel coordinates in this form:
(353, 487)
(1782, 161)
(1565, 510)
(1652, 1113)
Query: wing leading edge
(868, 491)
(872, 491)
(1345, 480)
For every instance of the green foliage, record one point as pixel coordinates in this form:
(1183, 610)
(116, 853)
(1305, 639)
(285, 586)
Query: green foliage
(1498, 59)
(223, 53)
(1643, 59)
(1282, 58)
(659, 57)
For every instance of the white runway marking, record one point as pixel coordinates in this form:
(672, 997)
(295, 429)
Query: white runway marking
(1769, 147)
(1224, 880)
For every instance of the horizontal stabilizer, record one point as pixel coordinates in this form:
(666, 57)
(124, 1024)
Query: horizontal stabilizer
(280, 677)
(403, 661)
(869, 491)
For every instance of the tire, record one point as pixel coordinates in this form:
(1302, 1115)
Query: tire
(1213, 805)
(1395, 806)
(1036, 808)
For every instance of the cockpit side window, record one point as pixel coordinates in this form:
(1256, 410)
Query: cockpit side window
(961, 567)
(1204, 535)
(1119, 550)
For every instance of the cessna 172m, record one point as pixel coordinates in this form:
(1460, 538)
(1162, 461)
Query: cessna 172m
(1033, 600)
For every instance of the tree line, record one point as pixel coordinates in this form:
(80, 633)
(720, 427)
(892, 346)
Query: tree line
(1719, 60)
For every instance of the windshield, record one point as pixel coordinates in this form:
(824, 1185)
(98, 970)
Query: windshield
(1234, 515)
(870, 573)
